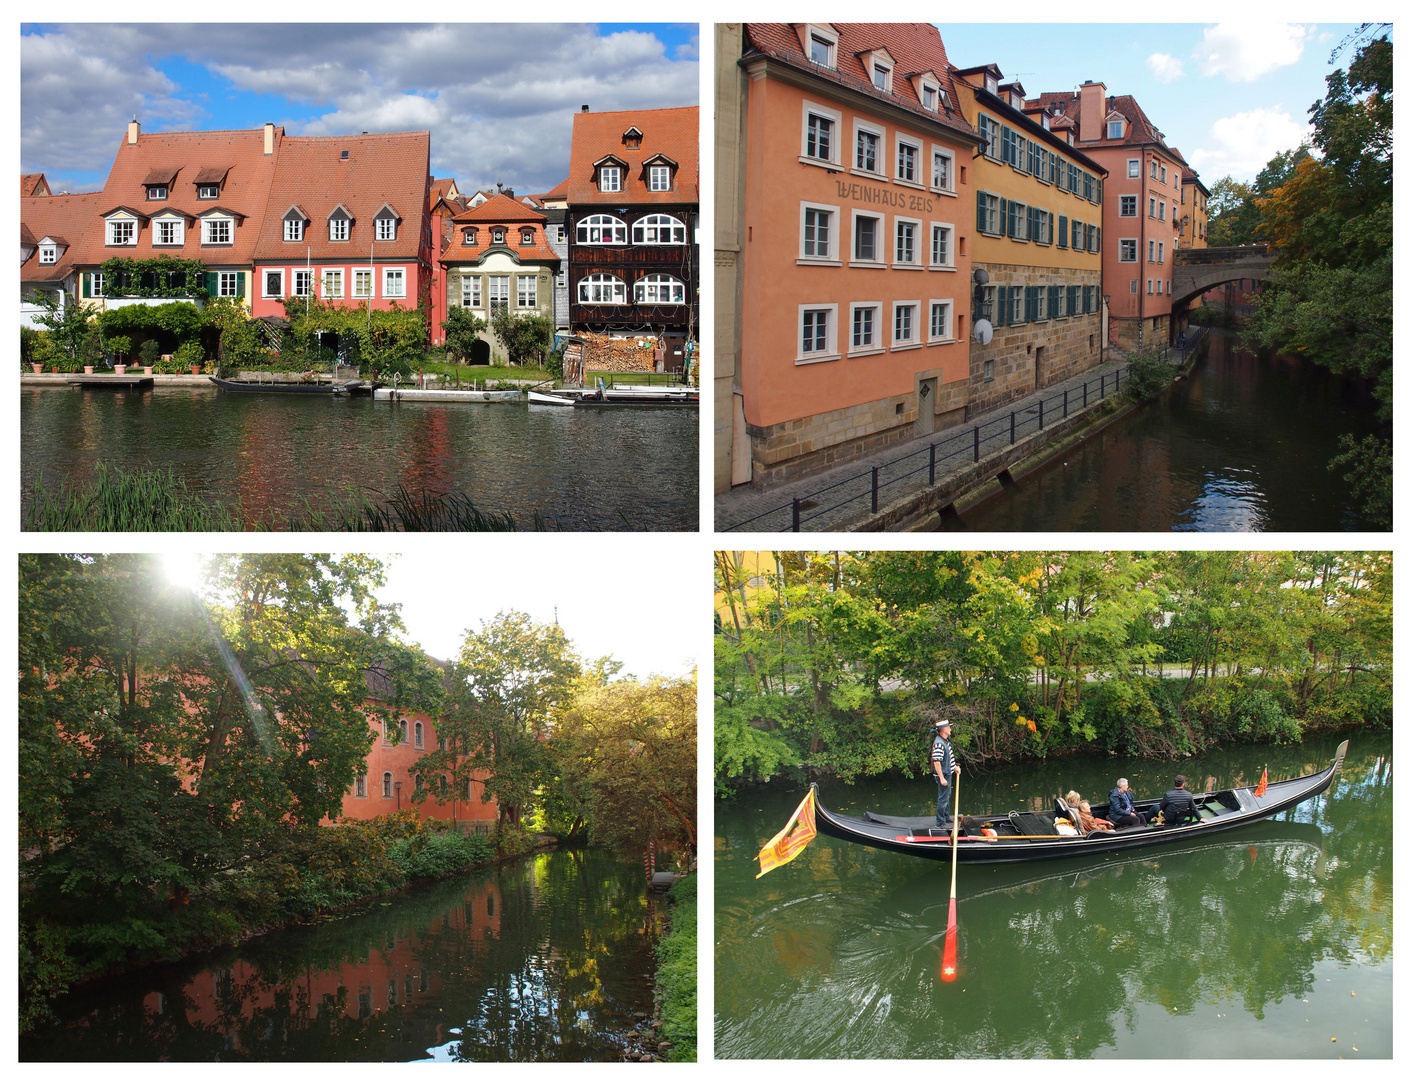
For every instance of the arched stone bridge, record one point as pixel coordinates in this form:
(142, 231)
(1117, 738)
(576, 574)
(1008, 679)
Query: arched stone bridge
(1196, 270)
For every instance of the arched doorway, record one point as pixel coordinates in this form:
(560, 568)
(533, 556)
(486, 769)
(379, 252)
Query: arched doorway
(480, 352)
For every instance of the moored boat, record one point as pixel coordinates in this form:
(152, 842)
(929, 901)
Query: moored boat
(1028, 837)
(238, 387)
(537, 398)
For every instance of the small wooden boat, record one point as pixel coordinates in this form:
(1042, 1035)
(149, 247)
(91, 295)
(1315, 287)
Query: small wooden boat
(238, 387)
(1029, 837)
(537, 398)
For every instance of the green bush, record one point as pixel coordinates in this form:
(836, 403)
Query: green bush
(1149, 372)
(149, 351)
(511, 839)
(677, 973)
(29, 342)
(434, 854)
(121, 345)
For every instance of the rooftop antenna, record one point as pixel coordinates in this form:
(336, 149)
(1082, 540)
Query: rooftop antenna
(557, 614)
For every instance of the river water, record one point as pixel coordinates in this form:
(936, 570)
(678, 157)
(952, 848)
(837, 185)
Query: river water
(626, 468)
(1274, 941)
(1242, 444)
(545, 959)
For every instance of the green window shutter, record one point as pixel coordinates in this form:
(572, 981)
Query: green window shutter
(240, 283)
(1061, 235)
(213, 284)
(1001, 217)
(1050, 227)
(981, 212)
(87, 284)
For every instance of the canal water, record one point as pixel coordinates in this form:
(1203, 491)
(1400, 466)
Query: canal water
(545, 959)
(593, 468)
(1274, 941)
(1242, 444)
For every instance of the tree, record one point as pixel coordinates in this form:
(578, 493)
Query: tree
(69, 325)
(524, 337)
(463, 331)
(1232, 214)
(506, 692)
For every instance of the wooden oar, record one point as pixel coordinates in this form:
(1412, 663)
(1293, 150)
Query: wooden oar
(950, 940)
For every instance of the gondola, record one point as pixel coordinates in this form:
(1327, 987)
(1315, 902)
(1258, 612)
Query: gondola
(1031, 837)
(281, 388)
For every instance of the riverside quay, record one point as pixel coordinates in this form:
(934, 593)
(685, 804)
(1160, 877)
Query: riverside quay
(902, 243)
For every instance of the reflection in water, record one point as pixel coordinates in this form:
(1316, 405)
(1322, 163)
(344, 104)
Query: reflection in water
(580, 468)
(543, 960)
(1242, 444)
(1248, 946)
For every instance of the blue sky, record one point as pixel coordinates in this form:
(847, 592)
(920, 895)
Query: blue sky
(1227, 97)
(499, 99)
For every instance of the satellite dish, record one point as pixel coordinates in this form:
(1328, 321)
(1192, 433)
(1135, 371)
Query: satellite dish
(979, 276)
(982, 331)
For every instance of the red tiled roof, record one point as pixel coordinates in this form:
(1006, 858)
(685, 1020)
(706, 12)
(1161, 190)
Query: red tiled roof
(186, 154)
(381, 168)
(56, 216)
(557, 192)
(31, 183)
(914, 47)
(498, 210)
(672, 132)
(1137, 129)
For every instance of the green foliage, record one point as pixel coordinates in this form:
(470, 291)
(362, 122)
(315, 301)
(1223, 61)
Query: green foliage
(1370, 474)
(524, 337)
(463, 330)
(238, 343)
(677, 973)
(30, 340)
(149, 352)
(180, 319)
(1150, 372)
(121, 346)
(381, 342)
(511, 838)
(68, 324)
(430, 855)
(164, 275)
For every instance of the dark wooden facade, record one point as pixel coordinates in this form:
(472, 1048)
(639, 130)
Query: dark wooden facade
(632, 263)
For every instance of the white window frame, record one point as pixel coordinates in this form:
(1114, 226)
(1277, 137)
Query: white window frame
(294, 229)
(607, 224)
(827, 38)
(362, 283)
(1161, 253)
(881, 237)
(897, 344)
(1132, 168)
(179, 232)
(676, 290)
(610, 178)
(471, 290)
(208, 191)
(832, 242)
(395, 283)
(916, 227)
(950, 188)
(1110, 126)
(387, 785)
(527, 292)
(950, 263)
(339, 230)
(1133, 248)
(947, 335)
(265, 274)
(1134, 200)
(333, 274)
(527, 237)
(902, 142)
(96, 280)
(361, 786)
(300, 278)
(881, 148)
(208, 230)
(831, 349)
(994, 207)
(1161, 209)
(1133, 286)
(498, 292)
(385, 229)
(875, 346)
(617, 285)
(660, 178)
(659, 223)
(228, 282)
(1163, 174)
(813, 108)
(156, 192)
(48, 254)
(879, 67)
(127, 224)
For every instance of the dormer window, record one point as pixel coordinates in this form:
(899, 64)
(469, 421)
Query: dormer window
(294, 228)
(660, 178)
(819, 42)
(610, 178)
(168, 232)
(930, 98)
(216, 230)
(340, 223)
(207, 191)
(989, 83)
(632, 139)
(527, 237)
(1116, 130)
(883, 77)
(385, 224)
(156, 192)
(498, 236)
(48, 253)
(122, 232)
(469, 237)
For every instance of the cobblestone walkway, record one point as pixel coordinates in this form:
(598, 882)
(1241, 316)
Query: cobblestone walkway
(842, 496)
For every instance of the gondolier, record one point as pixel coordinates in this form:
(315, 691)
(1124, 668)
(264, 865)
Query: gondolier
(944, 769)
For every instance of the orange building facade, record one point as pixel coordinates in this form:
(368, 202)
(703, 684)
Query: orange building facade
(855, 268)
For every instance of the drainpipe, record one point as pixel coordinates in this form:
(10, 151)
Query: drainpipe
(1142, 208)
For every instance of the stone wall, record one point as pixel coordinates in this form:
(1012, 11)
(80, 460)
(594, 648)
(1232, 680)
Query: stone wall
(1126, 332)
(812, 444)
(1071, 344)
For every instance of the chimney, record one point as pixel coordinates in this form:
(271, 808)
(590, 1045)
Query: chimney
(1092, 110)
(584, 108)
(133, 129)
(269, 139)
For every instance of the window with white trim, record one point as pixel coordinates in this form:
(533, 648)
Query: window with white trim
(228, 283)
(906, 157)
(216, 230)
(942, 170)
(659, 229)
(1116, 129)
(386, 229)
(168, 232)
(333, 281)
(471, 290)
(658, 289)
(600, 229)
(417, 735)
(498, 235)
(339, 229)
(883, 77)
(602, 289)
(988, 206)
(818, 233)
(498, 292)
(940, 320)
(294, 228)
(527, 292)
(527, 238)
(1133, 286)
(905, 323)
(1129, 251)
(303, 282)
(207, 191)
(156, 192)
(1161, 252)
(822, 50)
(361, 786)
(868, 229)
(97, 278)
(906, 251)
(817, 332)
(864, 328)
(941, 249)
(362, 283)
(1161, 210)
(819, 139)
(48, 253)
(1133, 169)
(272, 283)
(394, 283)
(610, 178)
(868, 148)
(1151, 251)
(387, 785)
(660, 178)
(1163, 174)
(1129, 206)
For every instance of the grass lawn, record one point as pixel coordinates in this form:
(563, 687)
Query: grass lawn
(481, 373)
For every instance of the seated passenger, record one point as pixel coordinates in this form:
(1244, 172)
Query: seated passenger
(1123, 812)
(1089, 822)
(1177, 804)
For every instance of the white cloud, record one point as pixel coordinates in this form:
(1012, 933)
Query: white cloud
(1244, 52)
(1240, 145)
(498, 98)
(1165, 68)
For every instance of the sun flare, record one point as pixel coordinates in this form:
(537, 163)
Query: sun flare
(183, 568)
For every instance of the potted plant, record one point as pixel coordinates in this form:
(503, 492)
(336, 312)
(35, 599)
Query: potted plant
(149, 350)
(189, 356)
(121, 346)
(90, 351)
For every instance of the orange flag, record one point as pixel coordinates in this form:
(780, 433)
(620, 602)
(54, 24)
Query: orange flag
(790, 841)
(1262, 784)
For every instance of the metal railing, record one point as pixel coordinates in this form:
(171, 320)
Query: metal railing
(968, 444)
